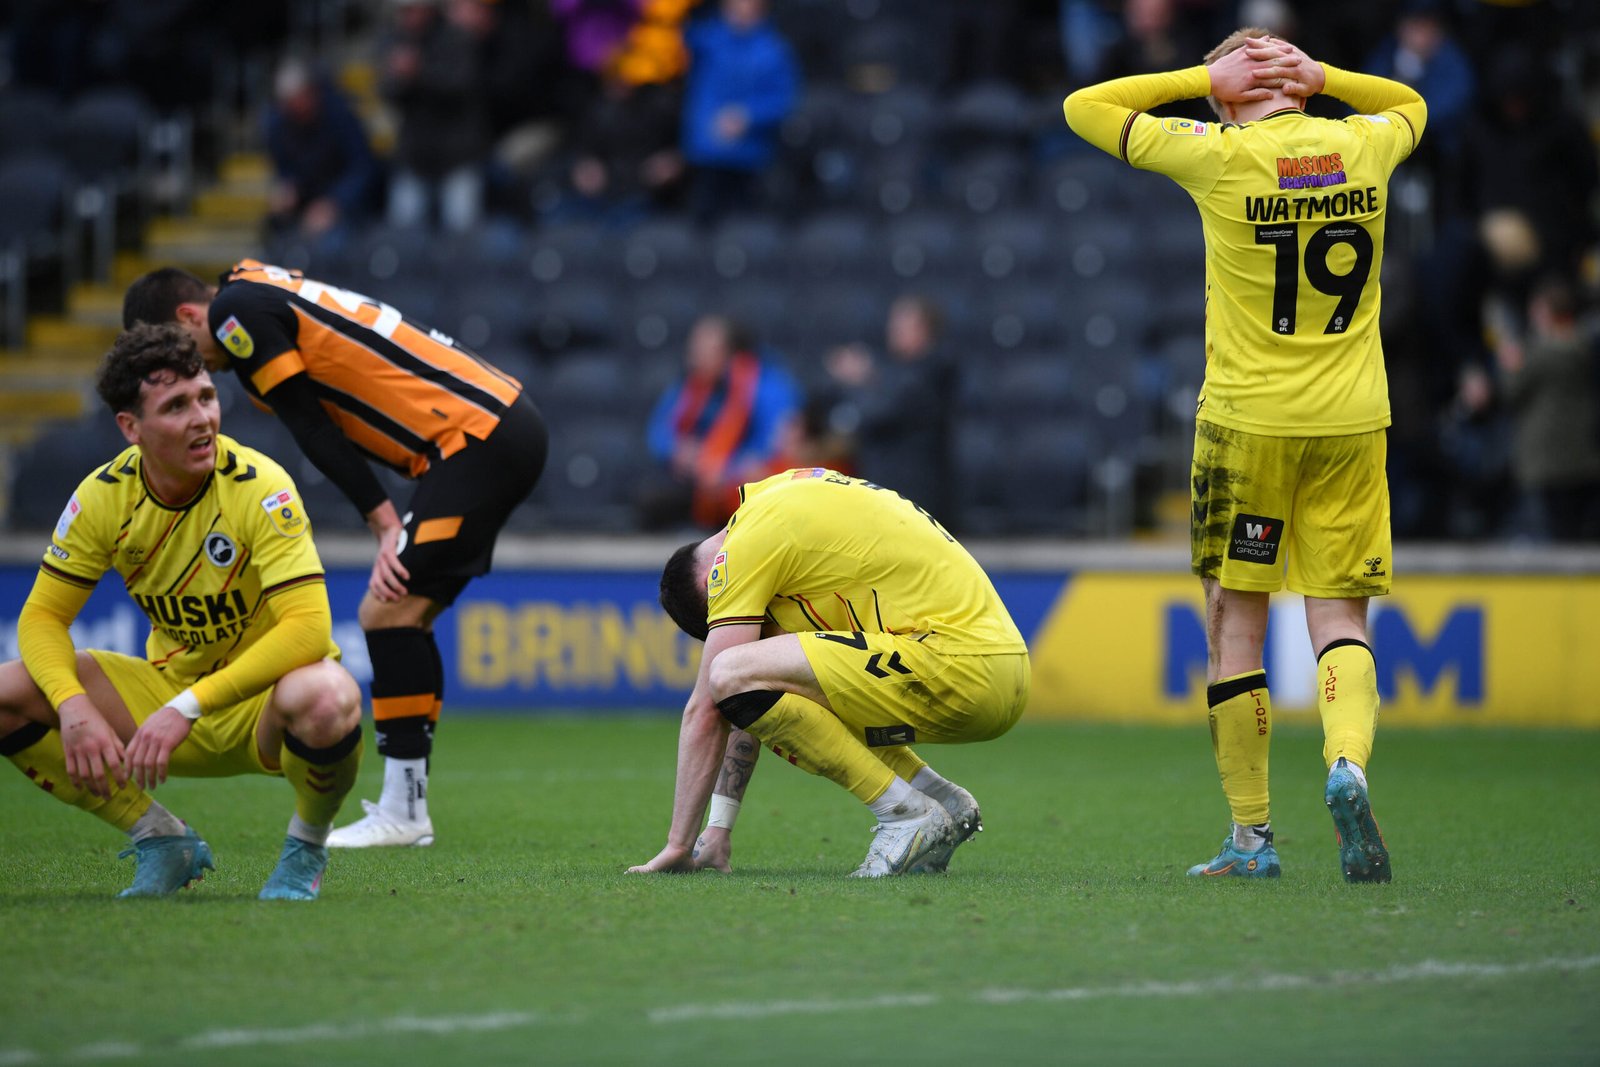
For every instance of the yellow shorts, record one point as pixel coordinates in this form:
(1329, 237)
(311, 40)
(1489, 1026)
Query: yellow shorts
(1319, 505)
(222, 742)
(890, 690)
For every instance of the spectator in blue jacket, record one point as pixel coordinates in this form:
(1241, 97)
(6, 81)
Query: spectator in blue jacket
(1423, 53)
(323, 166)
(717, 427)
(742, 83)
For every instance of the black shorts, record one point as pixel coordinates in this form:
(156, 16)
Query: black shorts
(460, 505)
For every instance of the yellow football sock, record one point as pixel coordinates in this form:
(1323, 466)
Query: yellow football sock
(36, 750)
(809, 736)
(901, 760)
(1348, 698)
(322, 777)
(1241, 735)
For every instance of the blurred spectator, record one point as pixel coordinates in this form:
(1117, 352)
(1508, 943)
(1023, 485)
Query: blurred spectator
(432, 73)
(626, 149)
(1423, 53)
(1549, 383)
(716, 428)
(1155, 36)
(899, 406)
(324, 169)
(742, 83)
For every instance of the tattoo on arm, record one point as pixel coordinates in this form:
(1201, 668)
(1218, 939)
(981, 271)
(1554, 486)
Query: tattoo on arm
(738, 764)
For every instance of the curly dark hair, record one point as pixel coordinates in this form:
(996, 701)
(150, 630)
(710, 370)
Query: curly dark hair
(143, 354)
(156, 296)
(683, 594)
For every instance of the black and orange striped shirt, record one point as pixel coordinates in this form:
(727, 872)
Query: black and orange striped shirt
(405, 395)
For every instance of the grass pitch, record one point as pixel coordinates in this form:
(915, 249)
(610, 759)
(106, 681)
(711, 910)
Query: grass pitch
(1066, 933)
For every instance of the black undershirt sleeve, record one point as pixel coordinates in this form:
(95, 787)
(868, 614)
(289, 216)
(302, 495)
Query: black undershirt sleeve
(294, 401)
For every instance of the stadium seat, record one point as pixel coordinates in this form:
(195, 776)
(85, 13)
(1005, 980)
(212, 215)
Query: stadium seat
(1013, 245)
(1045, 482)
(589, 481)
(38, 243)
(907, 115)
(1034, 384)
(489, 312)
(986, 181)
(927, 243)
(1018, 315)
(987, 115)
(665, 247)
(576, 313)
(761, 305)
(834, 245)
(831, 314)
(660, 314)
(105, 140)
(30, 122)
(884, 53)
(46, 472)
(566, 251)
(1105, 312)
(749, 244)
(593, 382)
(1090, 184)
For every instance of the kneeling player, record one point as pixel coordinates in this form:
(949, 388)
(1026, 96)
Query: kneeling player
(209, 538)
(883, 632)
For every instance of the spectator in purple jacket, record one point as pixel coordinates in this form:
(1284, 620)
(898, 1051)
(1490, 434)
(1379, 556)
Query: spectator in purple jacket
(742, 83)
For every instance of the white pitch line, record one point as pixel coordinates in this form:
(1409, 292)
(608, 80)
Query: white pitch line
(447, 1025)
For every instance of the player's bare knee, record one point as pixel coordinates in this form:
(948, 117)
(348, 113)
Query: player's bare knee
(320, 704)
(729, 674)
(21, 702)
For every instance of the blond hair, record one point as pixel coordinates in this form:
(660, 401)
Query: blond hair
(1230, 44)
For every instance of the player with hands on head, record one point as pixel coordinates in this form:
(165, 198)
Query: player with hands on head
(842, 625)
(240, 674)
(1288, 481)
(354, 380)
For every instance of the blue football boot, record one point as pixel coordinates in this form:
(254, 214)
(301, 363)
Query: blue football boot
(165, 865)
(1234, 863)
(298, 875)
(1362, 853)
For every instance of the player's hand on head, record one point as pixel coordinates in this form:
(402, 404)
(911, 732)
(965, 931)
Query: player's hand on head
(673, 858)
(1296, 73)
(150, 751)
(1234, 77)
(92, 748)
(713, 849)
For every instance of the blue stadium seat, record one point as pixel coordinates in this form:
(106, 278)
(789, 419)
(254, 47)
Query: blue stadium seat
(664, 247)
(589, 481)
(987, 181)
(1018, 315)
(745, 245)
(489, 312)
(835, 244)
(594, 382)
(1045, 483)
(762, 305)
(927, 243)
(577, 313)
(660, 314)
(30, 122)
(986, 115)
(1013, 244)
(568, 251)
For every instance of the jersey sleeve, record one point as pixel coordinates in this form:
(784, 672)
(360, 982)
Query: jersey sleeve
(1111, 116)
(257, 327)
(1393, 114)
(280, 532)
(749, 569)
(84, 538)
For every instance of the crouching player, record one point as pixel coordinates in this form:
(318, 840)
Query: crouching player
(842, 625)
(239, 678)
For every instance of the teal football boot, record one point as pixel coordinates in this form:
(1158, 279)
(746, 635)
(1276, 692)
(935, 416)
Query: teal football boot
(165, 865)
(1235, 863)
(1362, 853)
(298, 875)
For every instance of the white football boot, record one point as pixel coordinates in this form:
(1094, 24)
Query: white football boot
(963, 809)
(899, 844)
(382, 829)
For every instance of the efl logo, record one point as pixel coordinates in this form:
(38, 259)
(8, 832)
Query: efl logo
(1255, 539)
(718, 576)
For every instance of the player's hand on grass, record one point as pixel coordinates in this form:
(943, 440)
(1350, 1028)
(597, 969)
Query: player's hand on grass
(92, 747)
(151, 747)
(713, 849)
(673, 858)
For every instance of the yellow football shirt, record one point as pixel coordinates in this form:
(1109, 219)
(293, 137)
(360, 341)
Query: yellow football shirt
(812, 549)
(202, 572)
(1293, 210)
